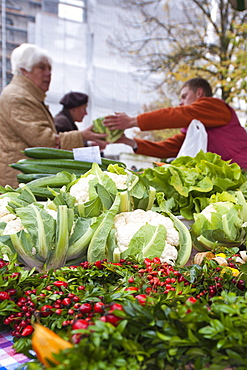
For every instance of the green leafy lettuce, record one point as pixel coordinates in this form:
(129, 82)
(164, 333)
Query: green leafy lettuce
(187, 182)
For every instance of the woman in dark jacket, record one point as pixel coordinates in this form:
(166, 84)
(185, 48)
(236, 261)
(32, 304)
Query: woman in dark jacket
(74, 110)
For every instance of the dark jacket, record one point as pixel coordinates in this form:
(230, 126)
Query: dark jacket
(64, 122)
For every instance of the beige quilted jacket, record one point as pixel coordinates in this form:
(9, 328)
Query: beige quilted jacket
(25, 122)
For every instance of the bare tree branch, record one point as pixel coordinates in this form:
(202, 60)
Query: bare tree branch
(206, 37)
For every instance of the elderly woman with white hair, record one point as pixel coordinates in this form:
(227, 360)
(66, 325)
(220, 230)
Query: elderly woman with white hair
(25, 121)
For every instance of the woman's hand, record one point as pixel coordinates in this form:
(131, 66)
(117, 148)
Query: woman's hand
(120, 121)
(96, 139)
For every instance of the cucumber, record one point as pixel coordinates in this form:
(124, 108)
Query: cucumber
(48, 153)
(52, 153)
(32, 168)
(27, 177)
(61, 164)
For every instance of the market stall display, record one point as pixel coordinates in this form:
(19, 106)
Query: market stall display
(103, 263)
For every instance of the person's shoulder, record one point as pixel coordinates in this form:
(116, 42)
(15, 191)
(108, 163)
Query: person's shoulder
(210, 100)
(60, 117)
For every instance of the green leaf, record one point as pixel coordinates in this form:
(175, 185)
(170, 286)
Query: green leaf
(40, 226)
(101, 229)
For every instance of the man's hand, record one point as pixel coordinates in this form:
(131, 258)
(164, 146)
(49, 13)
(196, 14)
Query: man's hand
(127, 141)
(120, 121)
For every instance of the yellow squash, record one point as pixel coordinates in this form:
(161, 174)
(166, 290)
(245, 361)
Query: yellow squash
(45, 343)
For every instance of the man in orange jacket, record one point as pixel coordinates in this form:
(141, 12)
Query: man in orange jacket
(226, 136)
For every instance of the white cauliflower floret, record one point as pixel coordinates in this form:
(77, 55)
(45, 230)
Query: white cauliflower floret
(128, 223)
(13, 227)
(206, 212)
(3, 207)
(120, 180)
(5, 215)
(169, 254)
(80, 189)
(52, 212)
(8, 217)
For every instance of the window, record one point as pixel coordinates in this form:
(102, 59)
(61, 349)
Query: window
(72, 10)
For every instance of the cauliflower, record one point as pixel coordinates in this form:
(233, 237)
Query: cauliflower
(4, 212)
(207, 211)
(128, 223)
(120, 180)
(5, 215)
(8, 217)
(169, 254)
(13, 227)
(80, 189)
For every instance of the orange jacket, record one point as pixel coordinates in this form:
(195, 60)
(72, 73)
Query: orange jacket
(212, 112)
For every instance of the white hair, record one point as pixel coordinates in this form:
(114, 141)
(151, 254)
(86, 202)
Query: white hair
(26, 56)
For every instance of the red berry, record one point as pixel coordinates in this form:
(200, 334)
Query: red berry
(156, 260)
(28, 330)
(4, 295)
(112, 319)
(85, 308)
(60, 284)
(66, 301)
(11, 291)
(141, 299)
(59, 311)
(99, 307)
(132, 288)
(241, 285)
(99, 265)
(2, 263)
(46, 310)
(80, 324)
(116, 306)
(191, 299)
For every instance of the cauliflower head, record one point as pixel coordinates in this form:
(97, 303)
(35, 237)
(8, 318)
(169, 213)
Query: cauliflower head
(128, 223)
(80, 190)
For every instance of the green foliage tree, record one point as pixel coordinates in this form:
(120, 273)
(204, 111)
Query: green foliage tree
(183, 39)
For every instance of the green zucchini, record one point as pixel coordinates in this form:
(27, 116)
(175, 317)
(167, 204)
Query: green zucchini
(48, 153)
(27, 177)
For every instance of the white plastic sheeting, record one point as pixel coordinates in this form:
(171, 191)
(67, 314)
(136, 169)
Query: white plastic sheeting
(83, 61)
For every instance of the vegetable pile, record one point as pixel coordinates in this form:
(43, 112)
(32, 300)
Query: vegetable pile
(97, 263)
(83, 222)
